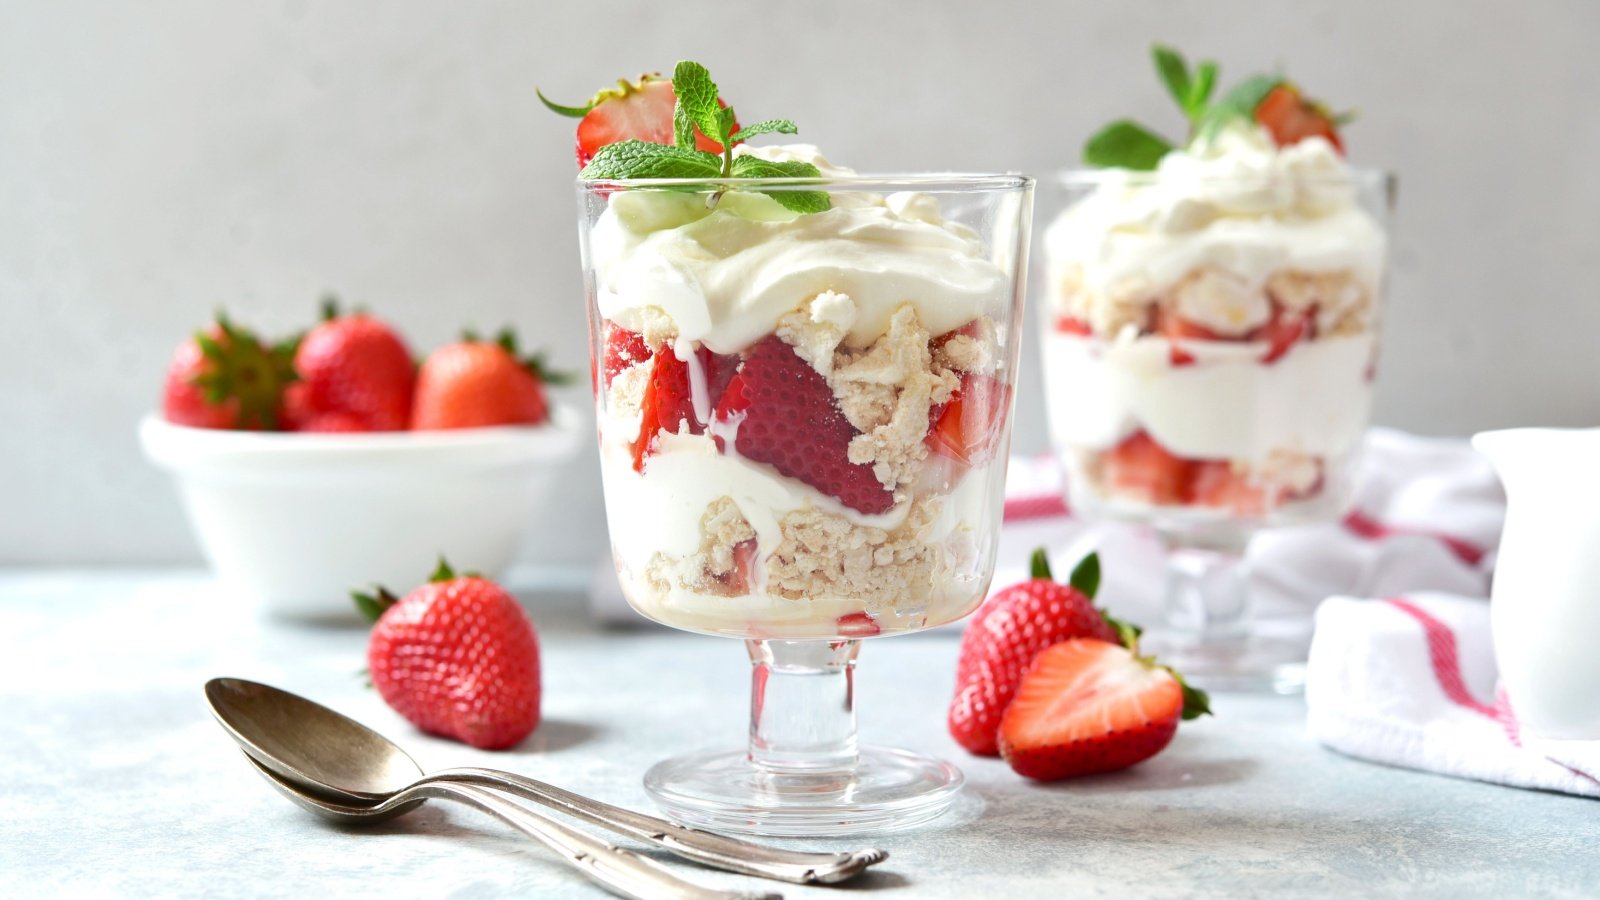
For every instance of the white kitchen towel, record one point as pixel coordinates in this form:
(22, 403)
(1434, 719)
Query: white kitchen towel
(1410, 681)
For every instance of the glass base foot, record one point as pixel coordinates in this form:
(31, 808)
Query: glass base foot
(1255, 664)
(724, 791)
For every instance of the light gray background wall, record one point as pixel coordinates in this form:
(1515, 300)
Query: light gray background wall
(158, 159)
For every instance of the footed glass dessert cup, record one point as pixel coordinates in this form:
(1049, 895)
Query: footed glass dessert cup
(803, 422)
(1209, 348)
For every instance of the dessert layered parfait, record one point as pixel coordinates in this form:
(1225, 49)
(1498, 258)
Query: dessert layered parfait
(801, 400)
(1211, 316)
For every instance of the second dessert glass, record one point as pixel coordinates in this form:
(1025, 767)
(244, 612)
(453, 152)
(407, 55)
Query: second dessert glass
(1209, 346)
(803, 423)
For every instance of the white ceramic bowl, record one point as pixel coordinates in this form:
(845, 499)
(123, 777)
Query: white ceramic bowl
(295, 521)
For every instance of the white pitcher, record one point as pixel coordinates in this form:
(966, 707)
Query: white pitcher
(1545, 603)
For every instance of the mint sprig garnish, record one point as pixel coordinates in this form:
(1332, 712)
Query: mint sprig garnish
(698, 107)
(1129, 145)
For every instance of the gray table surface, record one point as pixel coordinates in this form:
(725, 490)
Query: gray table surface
(117, 783)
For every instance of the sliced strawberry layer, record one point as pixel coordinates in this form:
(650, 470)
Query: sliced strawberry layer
(1088, 706)
(1282, 331)
(786, 417)
(1290, 118)
(857, 625)
(624, 349)
(668, 404)
(1071, 325)
(970, 425)
(1143, 469)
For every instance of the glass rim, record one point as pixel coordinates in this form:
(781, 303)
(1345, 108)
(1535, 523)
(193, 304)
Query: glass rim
(931, 182)
(1087, 176)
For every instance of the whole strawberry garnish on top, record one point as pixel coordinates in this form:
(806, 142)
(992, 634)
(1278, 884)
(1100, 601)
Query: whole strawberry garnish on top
(1005, 635)
(1088, 706)
(782, 413)
(1268, 100)
(226, 377)
(692, 140)
(456, 657)
(475, 383)
(632, 111)
(355, 365)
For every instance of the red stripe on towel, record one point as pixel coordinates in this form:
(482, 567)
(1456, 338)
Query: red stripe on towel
(1361, 524)
(1037, 506)
(1445, 657)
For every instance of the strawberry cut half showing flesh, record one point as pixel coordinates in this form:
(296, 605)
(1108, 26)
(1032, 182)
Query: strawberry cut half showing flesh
(785, 416)
(1089, 706)
(632, 111)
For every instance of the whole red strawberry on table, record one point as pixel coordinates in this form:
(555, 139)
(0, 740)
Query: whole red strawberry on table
(1057, 687)
(351, 372)
(457, 657)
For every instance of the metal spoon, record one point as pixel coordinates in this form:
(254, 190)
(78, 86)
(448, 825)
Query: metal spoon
(331, 757)
(622, 871)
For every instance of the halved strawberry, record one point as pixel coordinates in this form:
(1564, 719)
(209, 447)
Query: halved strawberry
(1283, 330)
(969, 426)
(1291, 118)
(1141, 468)
(857, 625)
(1004, 636)
(1090, 706)
(786, 417)
(632, 111)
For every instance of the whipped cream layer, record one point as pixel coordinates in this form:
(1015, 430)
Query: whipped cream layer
(1316, 399)
(1236, 204)
(725, 276)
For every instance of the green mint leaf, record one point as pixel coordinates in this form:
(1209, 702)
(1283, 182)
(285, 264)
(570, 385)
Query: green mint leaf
(795, 201)
(697, 98)
(1126, 145)
(576, 112)
(725, 123)
(1205, 80)
(770, 126)
(642, 159)
(1086, 575)
(1174, 73)
(1039, 565)
(682, 127)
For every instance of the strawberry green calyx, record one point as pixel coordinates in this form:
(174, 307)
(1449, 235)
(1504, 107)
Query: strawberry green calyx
(442, 572)
(375, 604)
(1196, 703)
(1085, 579)
(698, 108)
(1086, 575)
(239, 367)
(623, 89)
(1039, 565)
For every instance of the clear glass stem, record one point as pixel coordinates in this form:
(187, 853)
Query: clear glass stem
(802, 706)
(1207, 589)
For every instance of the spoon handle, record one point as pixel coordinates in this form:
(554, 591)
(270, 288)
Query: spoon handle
(704, 847)
(621, 871)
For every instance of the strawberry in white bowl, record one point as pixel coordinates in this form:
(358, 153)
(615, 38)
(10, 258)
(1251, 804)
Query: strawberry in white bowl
(304, 478)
